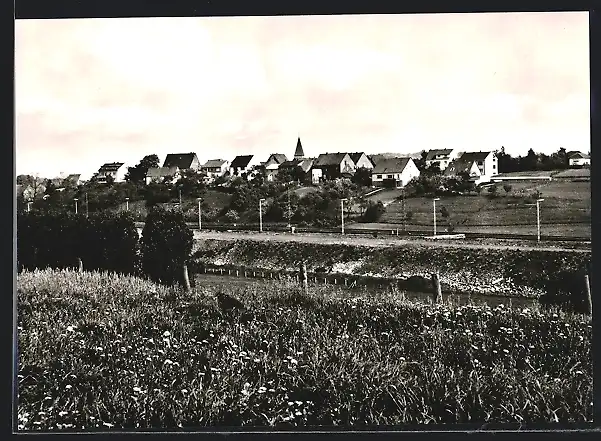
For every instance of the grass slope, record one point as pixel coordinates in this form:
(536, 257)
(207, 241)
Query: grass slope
(100, 351)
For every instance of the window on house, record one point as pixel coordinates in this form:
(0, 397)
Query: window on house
(389, 176)
(379, 176)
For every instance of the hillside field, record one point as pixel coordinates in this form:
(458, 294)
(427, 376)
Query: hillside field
(566, 203)
(105, 352)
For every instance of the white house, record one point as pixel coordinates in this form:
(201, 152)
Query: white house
(111, 170)
(442, 157)
(399, 170)
(214, 168)
(578, 159)
(487, 162)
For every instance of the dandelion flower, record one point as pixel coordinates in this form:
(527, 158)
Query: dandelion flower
(272, 390)
(71, 328)
(166, 334)
(298, 413)
(68, 386)
(184, 391)
(108, 425)
(262, 390)
(506, 351)
(137, 389)
(290, 403)
(256, 360)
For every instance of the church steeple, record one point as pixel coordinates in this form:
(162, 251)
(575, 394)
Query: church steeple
(298, 153)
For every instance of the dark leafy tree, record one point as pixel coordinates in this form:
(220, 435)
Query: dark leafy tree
(137, 174)
(165, 245)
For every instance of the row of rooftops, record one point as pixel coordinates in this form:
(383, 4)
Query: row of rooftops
(380, 163)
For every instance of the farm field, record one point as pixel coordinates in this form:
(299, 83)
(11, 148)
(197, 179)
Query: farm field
(155, 357)
(565, 203)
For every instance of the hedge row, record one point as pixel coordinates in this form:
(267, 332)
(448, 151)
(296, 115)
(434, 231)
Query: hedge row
(514, 272)
(103, 241)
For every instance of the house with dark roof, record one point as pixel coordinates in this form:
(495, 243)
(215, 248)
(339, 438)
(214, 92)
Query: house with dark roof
(361, 160)
(463, 166)
(441, 157)
(578, 159)
(487, 162)
(330, 166)
(214, 168)
(394, 172)
(244, 164)
(183, 161)
(300, 169)
(168, 175)
(111, 170)
(273, 164)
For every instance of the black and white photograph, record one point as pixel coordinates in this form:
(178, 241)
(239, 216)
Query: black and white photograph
(303, 222)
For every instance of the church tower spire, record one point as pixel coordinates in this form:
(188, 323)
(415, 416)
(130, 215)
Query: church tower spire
(299, 153)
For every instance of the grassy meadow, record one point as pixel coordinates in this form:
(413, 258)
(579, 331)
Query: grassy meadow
(103, 351)
(565, 204)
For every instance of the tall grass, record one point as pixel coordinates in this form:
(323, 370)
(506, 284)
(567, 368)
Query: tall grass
(99, 351)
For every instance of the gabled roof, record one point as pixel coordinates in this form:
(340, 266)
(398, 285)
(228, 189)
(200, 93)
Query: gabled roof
(432, 154)
(299, 153)
(577, 154)
(279, 158)
(304, 164)
(329, 159)
(241, 161)
(73, 177)
(212, 163)
(161, 172)
(110, 167)
(459, 166)
(182, 161)
(475, 156)
(390, 165)
(356, 156)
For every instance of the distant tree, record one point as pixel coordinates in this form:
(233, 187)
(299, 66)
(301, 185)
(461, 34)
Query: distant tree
(421, 161)
(530, 161)
(374, 212)
(492, 191)
(507, 188)
(137, 174)
(191, 184)
(444, 212)
(362, 177)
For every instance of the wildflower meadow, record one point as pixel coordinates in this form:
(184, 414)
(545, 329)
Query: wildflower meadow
(101, 351)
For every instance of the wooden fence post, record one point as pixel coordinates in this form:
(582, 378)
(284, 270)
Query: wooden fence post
(436, 283)
(186, 278)
(304, 277)
(589, 302)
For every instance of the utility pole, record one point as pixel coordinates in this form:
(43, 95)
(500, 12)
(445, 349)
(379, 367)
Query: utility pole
(199, 216)
(434, 205)
(87, 208)
(403, 206)
(75, 199)
(342, 213)
(261, 215)
(538, 201)
(289, 216)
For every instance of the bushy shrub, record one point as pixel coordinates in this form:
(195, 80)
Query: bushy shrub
(104, 241)
(374, 212)
(165, 245)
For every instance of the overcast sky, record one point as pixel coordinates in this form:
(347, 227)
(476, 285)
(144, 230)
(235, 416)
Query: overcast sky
(90, 91)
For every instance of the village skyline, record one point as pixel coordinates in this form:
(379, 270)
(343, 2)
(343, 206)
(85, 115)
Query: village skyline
(95, 91)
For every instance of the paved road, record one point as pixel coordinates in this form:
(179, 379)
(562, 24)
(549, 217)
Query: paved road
(386, 242)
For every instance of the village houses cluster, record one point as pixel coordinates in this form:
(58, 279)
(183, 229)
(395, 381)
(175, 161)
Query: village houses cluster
(481, 166)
